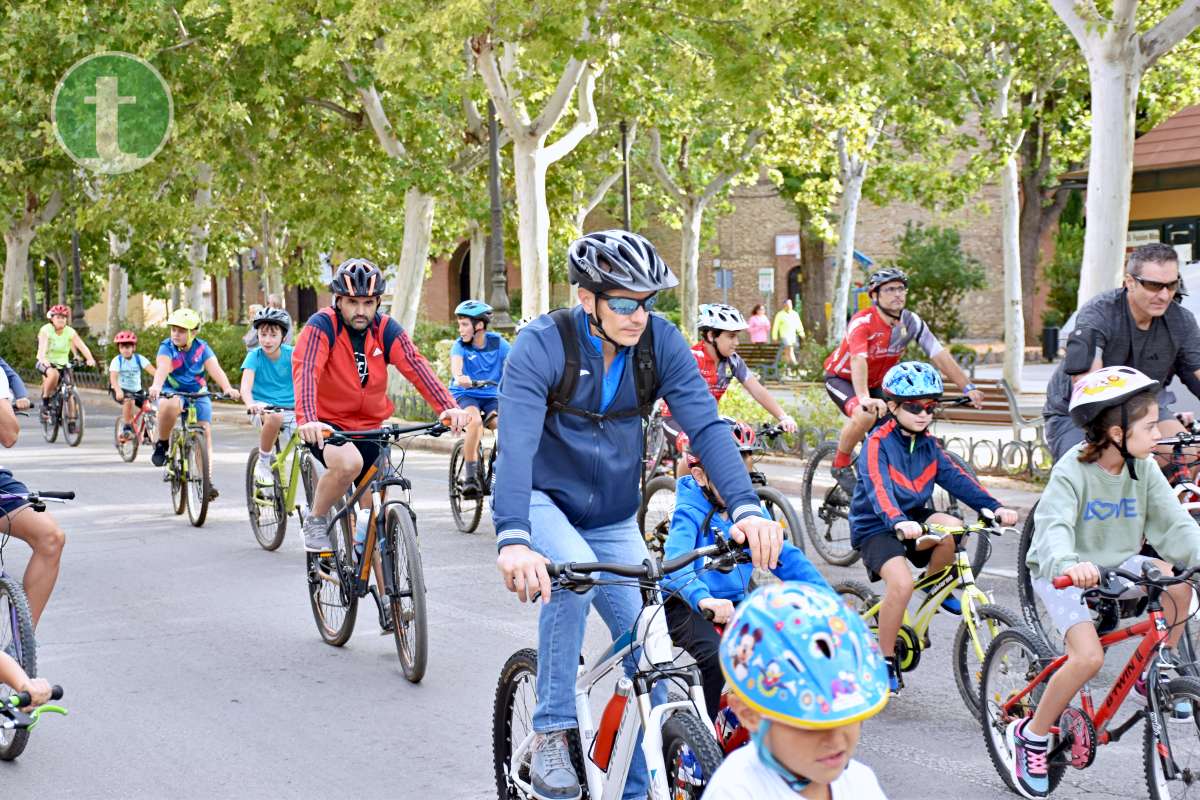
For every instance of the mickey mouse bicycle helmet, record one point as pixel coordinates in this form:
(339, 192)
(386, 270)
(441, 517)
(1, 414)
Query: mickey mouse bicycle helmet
(1109, 387)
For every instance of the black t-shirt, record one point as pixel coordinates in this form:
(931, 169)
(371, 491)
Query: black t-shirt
(358, 340)
(1153, 351)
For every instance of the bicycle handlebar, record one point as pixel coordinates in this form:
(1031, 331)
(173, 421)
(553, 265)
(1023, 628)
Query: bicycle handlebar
(934, 532)
(22, 699)
(651, 569)
(34, 497)
(192, 395)
(387, 432)
(1151, 575)
(267, 408)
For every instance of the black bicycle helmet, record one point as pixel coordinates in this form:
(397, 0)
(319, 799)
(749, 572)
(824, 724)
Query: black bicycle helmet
(885, 275)
(358, 277)
(275, 316)
(618, 260)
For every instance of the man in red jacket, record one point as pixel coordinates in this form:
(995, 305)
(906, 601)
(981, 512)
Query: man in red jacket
(339, 369)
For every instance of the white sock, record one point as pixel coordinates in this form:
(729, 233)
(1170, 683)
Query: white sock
(264, 457)
(1030, 736)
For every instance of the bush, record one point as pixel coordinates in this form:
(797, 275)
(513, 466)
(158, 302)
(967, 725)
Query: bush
(939, 276)
(811, 355)
(810, 407)
(1062, 273)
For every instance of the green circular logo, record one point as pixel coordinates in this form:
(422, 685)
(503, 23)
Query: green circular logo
(112, 112)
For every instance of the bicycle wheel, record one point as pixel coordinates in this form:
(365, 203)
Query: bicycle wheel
(946, 503)
(127, 448)
(177, 472)
(968, 658)
(691, 756)
(51, 420)
(1032, 609)
(781, 511)
(330, 592)
(654, 516)
(16, 635)
(72, 418)
(655, 447)
(466, 510)
(1179, 740)
(1014, 659)
(198, 483)
(407, 592)
(827, 510)
(512, 727)
(267, 518)
(308, 479)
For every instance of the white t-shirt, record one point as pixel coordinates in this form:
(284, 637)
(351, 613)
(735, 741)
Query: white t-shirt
(742, 776)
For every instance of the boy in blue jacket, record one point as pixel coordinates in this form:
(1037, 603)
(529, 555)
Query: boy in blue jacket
(700, 516)
(897, 470)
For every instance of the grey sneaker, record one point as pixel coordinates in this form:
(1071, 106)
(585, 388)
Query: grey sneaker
(316, 540)
(551, 773)
(846, 479)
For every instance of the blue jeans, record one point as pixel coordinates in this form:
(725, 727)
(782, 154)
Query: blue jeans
(563, 621)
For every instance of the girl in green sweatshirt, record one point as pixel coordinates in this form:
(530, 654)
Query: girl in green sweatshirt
(1104, 497)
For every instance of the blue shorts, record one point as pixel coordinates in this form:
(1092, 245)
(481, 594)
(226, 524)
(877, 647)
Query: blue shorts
(10, 485)
(486, 405)
(203, 406)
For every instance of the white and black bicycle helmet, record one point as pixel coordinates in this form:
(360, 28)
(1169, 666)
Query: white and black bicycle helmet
(275, 316)
(720, 317)
(618, 259)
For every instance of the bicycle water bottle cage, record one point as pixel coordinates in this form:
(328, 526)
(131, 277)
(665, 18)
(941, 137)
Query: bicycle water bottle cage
(191, 414)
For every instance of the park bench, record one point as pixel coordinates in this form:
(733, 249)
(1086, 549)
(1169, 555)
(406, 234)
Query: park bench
(1000, 407)
(764, 358)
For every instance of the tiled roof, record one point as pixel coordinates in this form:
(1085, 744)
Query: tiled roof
(1174, 143)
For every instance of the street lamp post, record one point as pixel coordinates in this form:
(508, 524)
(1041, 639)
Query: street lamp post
(77, 319)
(628, 208)
(501, 319)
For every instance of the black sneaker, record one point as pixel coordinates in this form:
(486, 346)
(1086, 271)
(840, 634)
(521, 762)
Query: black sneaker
(470, 487)
(846, 479)
(159, 457)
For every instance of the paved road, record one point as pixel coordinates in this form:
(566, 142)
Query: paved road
(194, 670)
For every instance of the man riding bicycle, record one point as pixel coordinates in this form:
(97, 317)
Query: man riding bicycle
(477, 355)
(181, 364)
(57, 341)
(875, 341)
(339, 368)
(567, 486)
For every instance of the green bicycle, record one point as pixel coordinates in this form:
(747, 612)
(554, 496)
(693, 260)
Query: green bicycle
(270, 506)
(982, 620)
(17, 724)
(188, 461)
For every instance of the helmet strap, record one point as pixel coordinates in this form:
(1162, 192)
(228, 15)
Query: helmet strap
(1124, 436)
(795, 782)
(884, 312)
(594, 318)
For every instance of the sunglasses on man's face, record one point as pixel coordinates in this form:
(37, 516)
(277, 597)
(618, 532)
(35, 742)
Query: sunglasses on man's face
(625, 306)
(1154, 287)
(920, 406)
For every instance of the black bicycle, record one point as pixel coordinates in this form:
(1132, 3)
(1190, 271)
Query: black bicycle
(64, 408)
(467, 507)
(337, 579)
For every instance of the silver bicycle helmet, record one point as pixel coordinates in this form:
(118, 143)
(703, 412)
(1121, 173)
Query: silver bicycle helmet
(720, 317)
(618, 260)
(276, 316)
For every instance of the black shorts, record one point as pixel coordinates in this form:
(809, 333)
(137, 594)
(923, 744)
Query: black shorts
(841, 392)
(881, 548)
(369, 450)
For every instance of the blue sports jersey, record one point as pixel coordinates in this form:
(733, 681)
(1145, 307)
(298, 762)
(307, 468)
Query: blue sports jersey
(480, 364)
(272, 379)
(187, 366)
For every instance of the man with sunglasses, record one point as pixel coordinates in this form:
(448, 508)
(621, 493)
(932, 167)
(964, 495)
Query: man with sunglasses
(567, 478)
(1138, 325)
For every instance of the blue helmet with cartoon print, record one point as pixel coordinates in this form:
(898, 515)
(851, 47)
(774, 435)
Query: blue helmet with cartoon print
(796, 653)
(910, 380)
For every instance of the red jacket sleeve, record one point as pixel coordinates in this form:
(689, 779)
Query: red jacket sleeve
(308, 362)
(405, 357)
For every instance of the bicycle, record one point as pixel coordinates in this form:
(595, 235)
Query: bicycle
(144, 423)
(188, 461)
(468, 510)
(677, 740)
(14, 721)
(337, 579)
(658, 449)
(270, 507)
(1018, 664)
(16, 624)
(658, 503)
(64, 408)
(982, 619)
(827, 506)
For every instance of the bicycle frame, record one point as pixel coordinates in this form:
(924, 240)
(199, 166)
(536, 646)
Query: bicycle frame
(377, 489)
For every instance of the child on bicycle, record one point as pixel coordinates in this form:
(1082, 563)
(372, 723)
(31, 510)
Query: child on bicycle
(125, 377)
(477, 355)
(1105, 497)
(57, 342)
(267, 381)
(897, 470)
(700, 516)
(804, 673)
(14, 677)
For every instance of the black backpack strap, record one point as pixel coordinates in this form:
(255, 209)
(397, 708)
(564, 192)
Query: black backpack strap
(560, 397)
(645, 371)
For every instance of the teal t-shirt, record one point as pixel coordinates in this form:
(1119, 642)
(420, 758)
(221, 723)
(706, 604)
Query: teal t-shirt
(272, 379)
(129, 371)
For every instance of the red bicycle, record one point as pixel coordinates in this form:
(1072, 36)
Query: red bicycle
(145, 422)
(1018, 664)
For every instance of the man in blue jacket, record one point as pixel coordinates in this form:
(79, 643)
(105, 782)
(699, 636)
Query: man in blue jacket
(567, 478)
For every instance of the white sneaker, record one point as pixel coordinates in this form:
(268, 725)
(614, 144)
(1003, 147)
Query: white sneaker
(316, 539)
(263, 476)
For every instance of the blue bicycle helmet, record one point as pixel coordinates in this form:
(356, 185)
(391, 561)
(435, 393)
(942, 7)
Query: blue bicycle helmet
(912, 380)
(475, 309)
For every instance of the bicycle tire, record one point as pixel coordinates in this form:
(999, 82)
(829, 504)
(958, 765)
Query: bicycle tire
(127, 449)
(199, 484)
(1037, 619)
(51, 421)
(998, 664)
(177, 466)
(772, 498)
(267, 520)
(654, 516)
(410, 627)
(833, 543)
(72, 418)
(690, 754)
(990, 619)
(16, 625)
(654, 448)
(518, 677)
(466, 510)
(334, 603)
(1180, 689)
(308, 480)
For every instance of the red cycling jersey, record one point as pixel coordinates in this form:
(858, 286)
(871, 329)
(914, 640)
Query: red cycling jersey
(872, 335)
(327, 376)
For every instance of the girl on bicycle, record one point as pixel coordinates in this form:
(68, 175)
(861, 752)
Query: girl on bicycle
(125, 377)
(1104, 497)
(57, 341)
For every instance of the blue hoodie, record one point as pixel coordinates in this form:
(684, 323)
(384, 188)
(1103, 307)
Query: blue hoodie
(691, 507)
(591, 470)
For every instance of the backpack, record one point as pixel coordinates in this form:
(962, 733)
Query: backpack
(379, 325)
(645, 373)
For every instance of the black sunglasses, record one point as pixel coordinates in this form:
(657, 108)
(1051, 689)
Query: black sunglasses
(625, 306)
(919, 407)
(1154, 287)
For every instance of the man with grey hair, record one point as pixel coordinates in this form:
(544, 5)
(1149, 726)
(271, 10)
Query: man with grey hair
(1138, 325)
